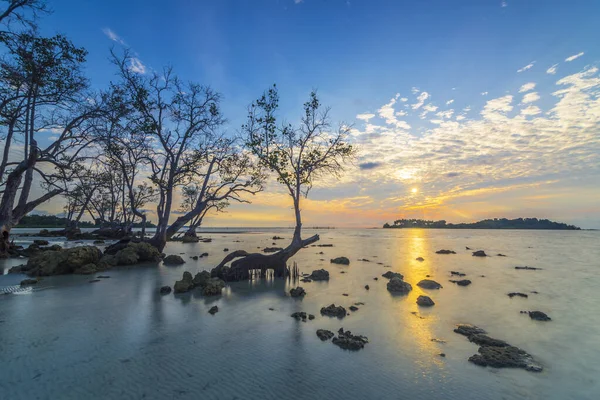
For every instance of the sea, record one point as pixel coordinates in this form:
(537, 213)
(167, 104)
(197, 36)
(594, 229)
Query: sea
(67, 338)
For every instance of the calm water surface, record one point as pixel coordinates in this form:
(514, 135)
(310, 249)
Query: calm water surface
(119, 339)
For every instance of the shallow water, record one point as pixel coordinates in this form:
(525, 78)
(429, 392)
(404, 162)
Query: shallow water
(120, 339)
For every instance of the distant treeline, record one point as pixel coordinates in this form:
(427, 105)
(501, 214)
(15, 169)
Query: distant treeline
(496, 223)
(52, 221)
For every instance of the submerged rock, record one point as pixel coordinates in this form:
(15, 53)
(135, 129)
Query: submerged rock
(213, 310)
(429, 284)
(300, 315)
(340, 260)
(333, 311)
(513, 294)
(468, 330)
(324, 334)
(445, 252)
(397, 285)
(390, 275)
(347, 341)
(297, 292)
(319, 275)
(479, 253)
(420, 259)
(165, 290)
(173, 260)
(539, 316)
(462, 282)
(425, 301)
(484, 340)
(528, 268)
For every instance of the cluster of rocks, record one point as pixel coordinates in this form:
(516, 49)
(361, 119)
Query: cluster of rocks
(78, 260)
(210, 286)
(345, 339)
(340, 260)
(496, 353)
(302, 316)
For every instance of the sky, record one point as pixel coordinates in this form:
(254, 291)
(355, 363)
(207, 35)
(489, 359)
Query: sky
(461, 110)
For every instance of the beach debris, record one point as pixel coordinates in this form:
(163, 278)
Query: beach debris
(445, 252)
(213, 310)
(496, 353)
(340, 260)
(397, 285)
(462, 282)
(479, 253)
(429, 284)
(319, 275)
(324, 334)
(333, 311)
(297, 292)
(513, 294)
(425, 301)
(173, 260)
(324, 245)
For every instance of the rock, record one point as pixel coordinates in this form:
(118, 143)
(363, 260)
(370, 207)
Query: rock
(195, 258)
(462, 282)
(272, 249)
(513, 294)
(324, 334)
(397, 285)
(479, 253)
(442, 354)
(99, 242)
(225, 249)
(429, 284)
(61, 262)
(353, 308)
(319, 275)
(277, 238)
(528, 268)
(41, 242)
(376, 279)
(185, 284)
(345, 294)
(305, 280)
(467, 248)
(311, 317)
(505, 357)
(201, 279)
(297, 292)
(324, 245)
(213, 310)
(190, 239)
(173, 260)
(165, 290)
(539, 316)
(360, 303)
(340, 260)
(390, 275)
(131, 253)
(87, 269)
(203, 255)
(348, 341)
(26, 282)
(445, 252)
(367, 287)
(300, 315)
(213, 287)
(468, 330)
(420, 259)
(364, 260)
(457, 273)
(485, 340)
(425, 301)
(500, 255)
(333, 311)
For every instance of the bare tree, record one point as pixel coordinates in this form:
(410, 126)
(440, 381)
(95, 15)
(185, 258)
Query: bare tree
(23, 12)
(296, 156)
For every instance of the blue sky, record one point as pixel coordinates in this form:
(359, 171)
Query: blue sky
(372, 61)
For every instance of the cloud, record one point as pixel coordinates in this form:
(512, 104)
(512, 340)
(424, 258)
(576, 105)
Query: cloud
(576, 56)
(365, 117)
(503, 4)
(449, 102)
(298, 1)
(530, 98)
(137, 66)
(552, 69)
(420, 100)
(113, 36)
(531, 110)
(528, 66)
(527, 87)
(388, 113)
(369, 165)
(484, 93)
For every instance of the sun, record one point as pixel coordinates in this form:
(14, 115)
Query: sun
(414, 190)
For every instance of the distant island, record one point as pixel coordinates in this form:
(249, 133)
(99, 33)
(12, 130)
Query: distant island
(52, 221)
(496, 223)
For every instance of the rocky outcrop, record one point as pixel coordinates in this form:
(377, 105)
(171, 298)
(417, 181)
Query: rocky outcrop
(185, 284)
(340, 260)
(297, 292)
(324, 334)
(62, 261)
(333, 311)
(425, 301)
(390, 275)
(173, 259)
(496, 353)
(445, 252)
(347, 341)
(479, 253)
(462, 282)
(429, 284)
(319, 275)
(129, 253)
(397, 285)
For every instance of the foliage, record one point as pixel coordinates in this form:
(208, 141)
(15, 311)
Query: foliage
(496, 223)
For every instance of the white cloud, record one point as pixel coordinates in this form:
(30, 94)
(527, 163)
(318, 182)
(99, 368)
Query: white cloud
(113, 36)
(527, 87)
(576, 56)
(449, 102)
(403, 99)
(414, 90)
(552, 69)
(388, 113)
(298, 1)
(528, 66)
(460, 117)
(531, 110)
(504, 4)
(530, 98)
(365, 117)
(445, 114)
(137, 66)
(484, 93)
(420, 100)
